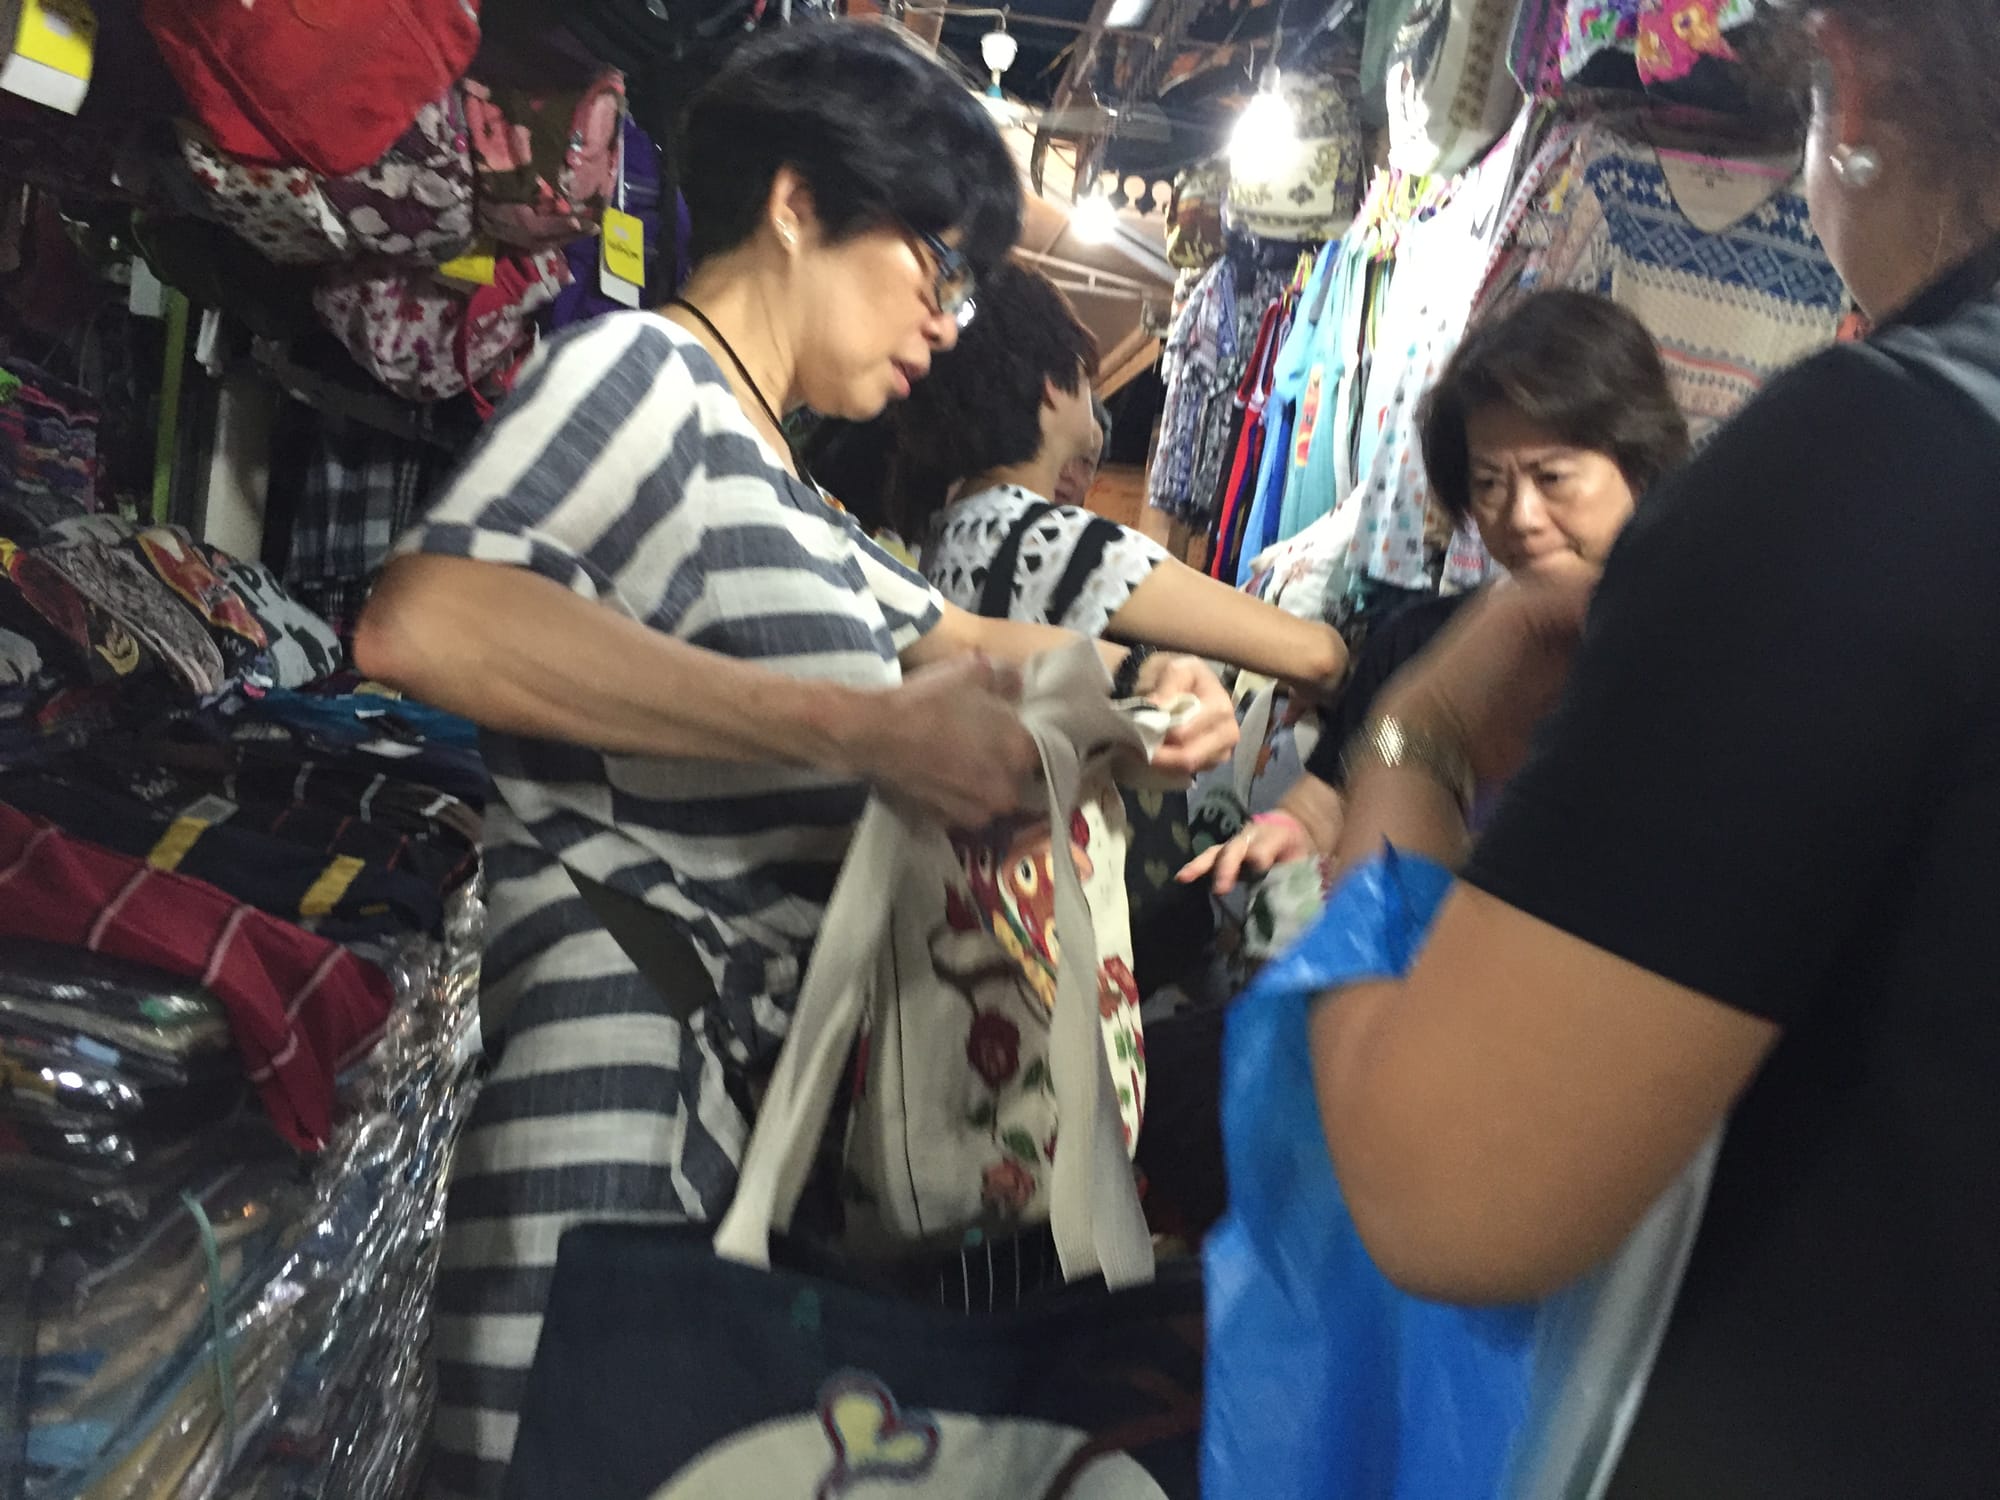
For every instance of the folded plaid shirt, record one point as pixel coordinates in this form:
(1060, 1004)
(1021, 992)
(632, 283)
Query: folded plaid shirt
(300, 1008)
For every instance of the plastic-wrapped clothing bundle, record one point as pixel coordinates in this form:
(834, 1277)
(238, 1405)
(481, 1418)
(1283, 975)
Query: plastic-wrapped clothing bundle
(263, 1346)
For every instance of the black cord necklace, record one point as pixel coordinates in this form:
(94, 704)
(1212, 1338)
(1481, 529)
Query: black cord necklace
(735, 359)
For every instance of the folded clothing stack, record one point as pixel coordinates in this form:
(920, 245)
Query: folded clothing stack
(247, 1328)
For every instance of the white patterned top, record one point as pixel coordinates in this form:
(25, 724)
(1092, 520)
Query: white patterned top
(1076, 569)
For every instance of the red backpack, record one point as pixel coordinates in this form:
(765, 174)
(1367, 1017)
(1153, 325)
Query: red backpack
(325, 84)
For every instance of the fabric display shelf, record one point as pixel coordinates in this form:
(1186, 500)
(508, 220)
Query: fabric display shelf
(239, 946)
(1289, 437)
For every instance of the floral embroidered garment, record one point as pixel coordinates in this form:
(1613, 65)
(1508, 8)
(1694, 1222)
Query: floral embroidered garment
(1668, 37)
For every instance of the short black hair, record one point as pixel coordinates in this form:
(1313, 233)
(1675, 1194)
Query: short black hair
(1578, 364)
(881, 133)
(981, 406)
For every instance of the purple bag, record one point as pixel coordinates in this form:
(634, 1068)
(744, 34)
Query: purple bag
(584, 299)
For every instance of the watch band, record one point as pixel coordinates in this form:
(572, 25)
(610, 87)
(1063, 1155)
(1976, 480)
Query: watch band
(1125, 681)
(1391, 743)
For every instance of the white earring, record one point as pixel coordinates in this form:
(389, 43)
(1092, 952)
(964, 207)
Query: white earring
(788, 234)
(1857, 166)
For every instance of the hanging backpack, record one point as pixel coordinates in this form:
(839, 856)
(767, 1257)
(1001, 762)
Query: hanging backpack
(1450, 92)
(547, 162)
(638, 194)
(414, 204)
(324, 84)
(429, 342)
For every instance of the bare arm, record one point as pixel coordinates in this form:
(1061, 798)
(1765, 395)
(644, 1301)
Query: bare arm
(1179, 609)
(960, 632)
(1318, 809)
(1503, 1117)
(521, 654)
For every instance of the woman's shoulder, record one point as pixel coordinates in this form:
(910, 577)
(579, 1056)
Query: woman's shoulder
(625, 347)
(1826, 443)
(1885, 387)
(1008, 504)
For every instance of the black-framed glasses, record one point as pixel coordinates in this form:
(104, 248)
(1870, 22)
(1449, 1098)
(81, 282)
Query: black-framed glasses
(956, 281)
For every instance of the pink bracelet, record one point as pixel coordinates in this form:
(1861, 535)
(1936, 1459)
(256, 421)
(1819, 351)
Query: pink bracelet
(1277, 817)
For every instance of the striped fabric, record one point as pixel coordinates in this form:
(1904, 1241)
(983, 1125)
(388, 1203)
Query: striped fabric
(625, 470)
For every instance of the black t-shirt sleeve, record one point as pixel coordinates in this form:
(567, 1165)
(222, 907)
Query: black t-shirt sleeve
(1792, 640)
(1390, 647)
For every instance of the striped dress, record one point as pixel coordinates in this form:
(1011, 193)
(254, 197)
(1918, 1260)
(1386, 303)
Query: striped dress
(625, 470)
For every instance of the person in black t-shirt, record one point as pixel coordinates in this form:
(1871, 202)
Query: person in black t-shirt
(1748, 875)
(1545, 429)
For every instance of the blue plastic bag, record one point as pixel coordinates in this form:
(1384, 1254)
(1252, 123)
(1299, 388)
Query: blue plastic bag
(1324, 1381)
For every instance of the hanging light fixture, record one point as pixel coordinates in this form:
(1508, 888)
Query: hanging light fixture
(1094, 219)
(998, 49)
(1266, 137)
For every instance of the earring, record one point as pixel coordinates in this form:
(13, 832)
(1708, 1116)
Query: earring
(788, 234)
(1857, 166)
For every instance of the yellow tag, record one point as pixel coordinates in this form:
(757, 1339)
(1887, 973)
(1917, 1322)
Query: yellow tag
(474, 268)
(59, 34)
(181, 836)
(324, 894)
(54, 47)
(624, 257)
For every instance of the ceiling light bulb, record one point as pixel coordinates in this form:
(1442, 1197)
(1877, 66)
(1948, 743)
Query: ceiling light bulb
(1093, 220)
(1266, 136)
(998, 49)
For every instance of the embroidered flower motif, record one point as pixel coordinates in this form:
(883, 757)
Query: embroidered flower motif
(1116, 987)
(1008, 1187)
(994, 1048)
(1695, 25)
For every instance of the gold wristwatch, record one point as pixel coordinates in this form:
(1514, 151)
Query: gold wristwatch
(1389, 742)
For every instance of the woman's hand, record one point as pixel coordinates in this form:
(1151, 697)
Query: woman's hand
(1268, 840)
(1495, 674)
(949, 740)
(1207, 737)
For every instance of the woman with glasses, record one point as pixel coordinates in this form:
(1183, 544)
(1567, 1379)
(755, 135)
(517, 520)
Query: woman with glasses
(690, 668)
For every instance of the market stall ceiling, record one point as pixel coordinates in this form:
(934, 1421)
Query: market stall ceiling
(1121, 286)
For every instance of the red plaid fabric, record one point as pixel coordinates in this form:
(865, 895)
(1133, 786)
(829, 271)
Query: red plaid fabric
(300, 1008)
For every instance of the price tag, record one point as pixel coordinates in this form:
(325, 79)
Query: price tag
(622, 271)
(55, 44)
(474, 268)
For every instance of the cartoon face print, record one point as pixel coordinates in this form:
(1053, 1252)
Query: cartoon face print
(862, 1444)
(1012, 878)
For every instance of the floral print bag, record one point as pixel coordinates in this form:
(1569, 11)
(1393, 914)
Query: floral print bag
(414, 205)
(968, 1051)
